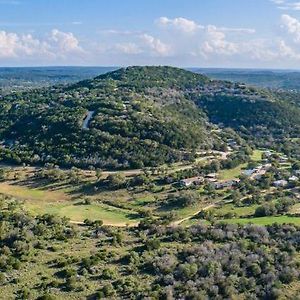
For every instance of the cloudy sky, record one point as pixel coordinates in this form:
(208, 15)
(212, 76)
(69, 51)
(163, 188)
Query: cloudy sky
(202, 33)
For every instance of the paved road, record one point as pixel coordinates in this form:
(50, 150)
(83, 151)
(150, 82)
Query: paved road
(87, 119)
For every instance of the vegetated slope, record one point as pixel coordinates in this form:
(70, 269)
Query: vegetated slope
(260, 118)
(258, 115)
(142, 116)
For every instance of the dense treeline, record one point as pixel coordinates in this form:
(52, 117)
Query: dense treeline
(129, 128)
(142, 116)
(260, 118)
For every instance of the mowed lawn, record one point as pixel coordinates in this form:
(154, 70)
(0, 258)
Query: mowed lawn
(59, 203)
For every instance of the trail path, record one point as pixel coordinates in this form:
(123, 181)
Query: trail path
(178, 222)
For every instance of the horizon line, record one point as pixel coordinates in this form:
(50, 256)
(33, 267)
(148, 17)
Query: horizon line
(144, 65)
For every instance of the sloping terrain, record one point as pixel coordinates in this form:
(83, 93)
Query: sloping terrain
(135, 117)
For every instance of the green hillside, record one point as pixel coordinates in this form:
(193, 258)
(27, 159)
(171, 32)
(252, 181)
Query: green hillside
(138, 116)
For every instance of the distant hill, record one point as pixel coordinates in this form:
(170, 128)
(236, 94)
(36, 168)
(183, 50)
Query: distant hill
(273, 79)
(15, 78)
(136, 117)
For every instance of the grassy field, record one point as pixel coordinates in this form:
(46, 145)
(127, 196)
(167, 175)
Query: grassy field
(265, 220)
(78, 212)
(232, 173)
(257, 155)
(239, 211)
(257, 221)
(26, 193)
(38, 201)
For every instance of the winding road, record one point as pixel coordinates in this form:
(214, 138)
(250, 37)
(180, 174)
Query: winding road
(87, 120)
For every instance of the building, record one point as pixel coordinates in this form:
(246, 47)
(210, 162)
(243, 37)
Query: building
(211, 176)
(280, 183)
(225, 184)
(293, 178)
(191, 181)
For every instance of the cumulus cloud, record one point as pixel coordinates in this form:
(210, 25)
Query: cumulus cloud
(292, 26)
(53, 46)
(14, 46)
(156, 45)
(182, 24)
(65, 41)
(173, 41)
(215, 42)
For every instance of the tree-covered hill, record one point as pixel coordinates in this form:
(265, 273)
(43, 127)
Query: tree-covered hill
(139, 119)
(138, 116)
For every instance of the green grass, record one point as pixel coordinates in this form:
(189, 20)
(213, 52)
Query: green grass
(24, 192)
(232, 173)
(257, 155)
(187, 211)
(239, 211)
(78, 213)
(264, 220)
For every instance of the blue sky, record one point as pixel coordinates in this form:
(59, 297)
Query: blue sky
(200, 33)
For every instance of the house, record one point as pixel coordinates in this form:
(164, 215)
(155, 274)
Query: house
(225, 184)
(191, 181)
(293, 178)
(280, 183)
(211, 176)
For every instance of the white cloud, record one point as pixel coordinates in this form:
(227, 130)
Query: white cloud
(190, 26)
(14, 46)
(156, 45)
(128, 48)
(278, 1)
(287, 5)
(286, 51)
(177, 41)
(215, 42)
(182, 24)
(292, 26)
(8, 44)
(22, 47)
(65, 41)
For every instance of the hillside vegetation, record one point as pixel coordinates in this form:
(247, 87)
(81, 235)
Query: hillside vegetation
(140, 116)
